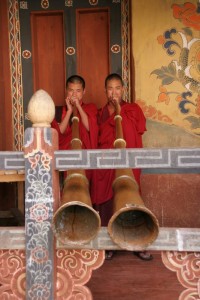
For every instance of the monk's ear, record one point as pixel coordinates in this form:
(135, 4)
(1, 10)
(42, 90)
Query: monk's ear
(84, 91)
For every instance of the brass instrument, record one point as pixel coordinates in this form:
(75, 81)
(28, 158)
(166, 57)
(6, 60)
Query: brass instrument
(75, 221)
(132, 226)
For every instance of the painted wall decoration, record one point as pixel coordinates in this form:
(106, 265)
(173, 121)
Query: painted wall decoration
(185, 68)
(167, 60)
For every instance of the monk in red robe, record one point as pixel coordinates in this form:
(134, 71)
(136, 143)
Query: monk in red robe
(134, 125)
(87, 113)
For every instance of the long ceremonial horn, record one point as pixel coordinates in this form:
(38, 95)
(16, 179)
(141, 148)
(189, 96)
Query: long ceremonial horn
(75, 221)
(132, 226)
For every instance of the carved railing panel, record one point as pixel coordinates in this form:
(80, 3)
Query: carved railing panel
(187, 268)
(12, 274)
(73, 270)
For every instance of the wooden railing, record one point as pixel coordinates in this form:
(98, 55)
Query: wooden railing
(41, 163)
(12, 166)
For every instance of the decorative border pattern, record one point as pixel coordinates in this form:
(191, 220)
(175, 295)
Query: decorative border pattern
(70, 50)
(93, 2)
(45, 4)
(187, 268)
(38, 214)
(181, 158)
(69, 280)
(16, 74)
(26, 54)
(23, 4)
(13, 274)
(68, 3)
(128, 158)
(12, 161)
(74, 269)
(125, 48)
(115, 48)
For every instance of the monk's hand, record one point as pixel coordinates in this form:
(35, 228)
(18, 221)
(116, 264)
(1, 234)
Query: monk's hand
(116, 104)
(69, 104)
(114, 101)
(110, 100)
(76, 102)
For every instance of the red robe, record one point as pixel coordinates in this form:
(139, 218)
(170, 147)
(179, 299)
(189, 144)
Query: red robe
(134, 125)
(89, 138)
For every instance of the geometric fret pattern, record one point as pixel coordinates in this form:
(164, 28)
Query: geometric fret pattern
(66, 264)
(12, 161)
(171, 158)
(128, 158)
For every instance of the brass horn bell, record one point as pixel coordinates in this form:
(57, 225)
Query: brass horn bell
(132, 226)
(75, 221)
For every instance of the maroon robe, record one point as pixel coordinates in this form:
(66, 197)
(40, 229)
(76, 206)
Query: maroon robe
(89, 138)
(134, 125)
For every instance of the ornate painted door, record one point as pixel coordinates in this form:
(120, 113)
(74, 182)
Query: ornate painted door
(62, 38)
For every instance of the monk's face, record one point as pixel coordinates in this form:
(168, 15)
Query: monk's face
(114, 90)
(75, 91)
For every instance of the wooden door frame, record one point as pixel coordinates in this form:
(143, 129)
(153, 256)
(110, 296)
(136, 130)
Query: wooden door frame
(6, 138)
(16, 65)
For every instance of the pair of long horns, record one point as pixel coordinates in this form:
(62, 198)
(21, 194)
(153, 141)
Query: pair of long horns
(132, 225)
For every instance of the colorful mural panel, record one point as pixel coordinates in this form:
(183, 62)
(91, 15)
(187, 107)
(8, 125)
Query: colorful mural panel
(168, 62)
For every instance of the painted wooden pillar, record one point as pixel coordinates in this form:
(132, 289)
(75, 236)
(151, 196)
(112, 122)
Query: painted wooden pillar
(41, 195)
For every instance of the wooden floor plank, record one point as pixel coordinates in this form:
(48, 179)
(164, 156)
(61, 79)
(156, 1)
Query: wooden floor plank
(126, 277)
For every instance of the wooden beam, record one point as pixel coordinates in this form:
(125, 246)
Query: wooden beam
(169, 239)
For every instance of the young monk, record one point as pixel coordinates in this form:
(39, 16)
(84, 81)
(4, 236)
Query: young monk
(134, 125)
(87, 113)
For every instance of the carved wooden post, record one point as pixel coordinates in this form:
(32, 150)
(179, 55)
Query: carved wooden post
(41, 195)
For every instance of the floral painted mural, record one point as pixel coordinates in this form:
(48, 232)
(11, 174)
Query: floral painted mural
(174, 71)
(185, 68)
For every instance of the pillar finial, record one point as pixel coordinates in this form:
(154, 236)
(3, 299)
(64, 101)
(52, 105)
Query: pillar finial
(41, 109)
